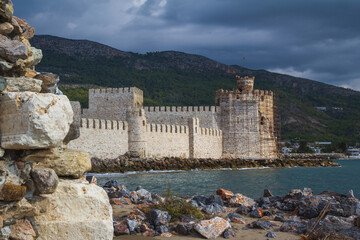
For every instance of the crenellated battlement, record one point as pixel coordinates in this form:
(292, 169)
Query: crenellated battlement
(254, 95)
(182, 109)
(210, 132)
(114, 91)
(103, 124)
(162, 128)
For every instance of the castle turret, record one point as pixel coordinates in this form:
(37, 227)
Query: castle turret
(245, 83)
(137, 130)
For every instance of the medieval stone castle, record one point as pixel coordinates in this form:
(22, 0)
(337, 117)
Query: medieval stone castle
(240, 125)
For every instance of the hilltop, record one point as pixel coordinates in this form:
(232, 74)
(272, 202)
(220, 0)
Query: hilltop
(177, 78)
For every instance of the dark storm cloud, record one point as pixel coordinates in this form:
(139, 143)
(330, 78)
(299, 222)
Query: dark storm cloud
(318, 39)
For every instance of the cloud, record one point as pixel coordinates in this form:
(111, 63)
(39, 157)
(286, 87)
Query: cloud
(312, 39)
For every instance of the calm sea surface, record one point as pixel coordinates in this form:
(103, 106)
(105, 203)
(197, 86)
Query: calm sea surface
(250, 182)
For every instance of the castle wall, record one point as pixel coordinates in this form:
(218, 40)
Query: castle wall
(204, 142)
(167, 140)
(209, 116)
(102, 138)
(112, 103)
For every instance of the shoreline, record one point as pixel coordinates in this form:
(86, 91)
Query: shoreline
(125, 163)
(140, 214)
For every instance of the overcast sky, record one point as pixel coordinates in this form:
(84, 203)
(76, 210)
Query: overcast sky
(316, 39)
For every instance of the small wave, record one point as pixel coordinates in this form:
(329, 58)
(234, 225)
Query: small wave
(169, 171)
(254, 168)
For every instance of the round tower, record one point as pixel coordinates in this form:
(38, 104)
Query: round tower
(245, 83)
(136, 120)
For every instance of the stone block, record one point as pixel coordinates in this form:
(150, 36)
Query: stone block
(66, 162)
(34, 120)
(6, 28)
(12, 192)
(21, 84)
(12, 50)
(79, 211)
(45, 180)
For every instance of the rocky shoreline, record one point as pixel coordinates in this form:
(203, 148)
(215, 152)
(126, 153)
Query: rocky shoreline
(127, 163)
(299, 214)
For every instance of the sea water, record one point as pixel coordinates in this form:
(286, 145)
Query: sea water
(250, 182)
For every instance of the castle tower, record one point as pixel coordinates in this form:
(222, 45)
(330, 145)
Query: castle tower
(245, 83)
(247, 121)
(136, 120)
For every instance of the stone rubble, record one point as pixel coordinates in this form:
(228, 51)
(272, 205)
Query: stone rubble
(270, 214)
(43, 194)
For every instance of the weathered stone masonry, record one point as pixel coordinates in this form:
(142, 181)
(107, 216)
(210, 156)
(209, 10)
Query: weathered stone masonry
(240, 125)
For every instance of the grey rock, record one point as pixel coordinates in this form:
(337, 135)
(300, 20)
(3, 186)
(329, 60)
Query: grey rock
(5, 66)
(243, 210)
(267, 193)
(261, 224)
(158, 217)
(229, 233)
(214, 199)
(162, 229)
(350, 194)
(12, 50)
(132, 224)
(5, 232)
(46, 180)
(293, 226)
(271, 235)
(183, 228)
(279, 218)
(256, 213)
(213, 209)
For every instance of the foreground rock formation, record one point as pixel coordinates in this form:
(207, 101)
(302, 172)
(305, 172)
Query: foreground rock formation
(43, 193)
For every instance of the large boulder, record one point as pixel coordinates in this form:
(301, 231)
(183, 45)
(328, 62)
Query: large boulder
(34, 120)
(212, 228)
(79, 211)
(65, 162)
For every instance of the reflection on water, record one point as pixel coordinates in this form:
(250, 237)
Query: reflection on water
(250, 182)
